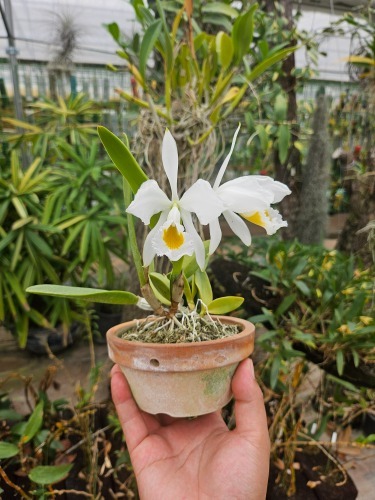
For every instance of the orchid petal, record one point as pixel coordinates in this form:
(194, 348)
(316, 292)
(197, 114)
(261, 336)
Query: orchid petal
(215, 235)
(200, 255)
(223, 167)
(169, 155)
(148, 250)
(278, 189)
(148, 201)
(238, 226)
(202, 200)
(244, 198)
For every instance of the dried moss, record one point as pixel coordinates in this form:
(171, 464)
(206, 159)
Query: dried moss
(182, 328)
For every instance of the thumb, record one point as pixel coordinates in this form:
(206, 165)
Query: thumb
(249, 405)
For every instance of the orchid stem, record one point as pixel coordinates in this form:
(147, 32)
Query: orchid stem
(132, 237)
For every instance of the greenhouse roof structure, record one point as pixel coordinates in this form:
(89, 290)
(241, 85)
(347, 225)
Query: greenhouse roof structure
(34, 24)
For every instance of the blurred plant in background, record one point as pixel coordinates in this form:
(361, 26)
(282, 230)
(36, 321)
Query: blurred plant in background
(322, 304)
(60, 217)
(72, 120)
(197, 80)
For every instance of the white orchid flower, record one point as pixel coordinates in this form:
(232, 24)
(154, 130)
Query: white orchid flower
(251, 197)
(174, 235)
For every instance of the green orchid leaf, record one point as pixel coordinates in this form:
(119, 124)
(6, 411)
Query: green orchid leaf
(49, 474)
(284, 139)
(33, 424)
(340, 362)
(160, 285)
(204, 286)
(224, 305)
(243, 32)
(286, 304)
(122, 158)
(188, 294)
(89, 294)
(281, 108)
(224, 49)
(275, 370)
(220, 8)
(114, 30)
(8, 450)
(263, 137)
(149, 39)
(132, 238)
(190, 265)
(260, 68)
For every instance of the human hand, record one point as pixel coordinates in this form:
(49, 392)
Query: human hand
(176, 458)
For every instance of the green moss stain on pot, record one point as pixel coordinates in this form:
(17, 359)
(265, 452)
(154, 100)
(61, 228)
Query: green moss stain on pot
(216, 381)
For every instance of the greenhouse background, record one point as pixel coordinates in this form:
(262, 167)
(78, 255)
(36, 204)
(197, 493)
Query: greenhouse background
(34, 23)
(194, 174)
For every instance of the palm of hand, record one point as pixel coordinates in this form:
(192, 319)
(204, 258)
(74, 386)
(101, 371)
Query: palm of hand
(176, 459)
(193, 459)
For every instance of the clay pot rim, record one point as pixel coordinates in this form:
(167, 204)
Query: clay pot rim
(247, 328)
(184, 356)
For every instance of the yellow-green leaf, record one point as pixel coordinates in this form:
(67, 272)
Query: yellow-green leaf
(224, 305)
(204, 286)
(89, 294)
(361, 60)
(33, 424)
(224, 49)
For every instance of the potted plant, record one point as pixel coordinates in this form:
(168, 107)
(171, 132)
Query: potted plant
(182, 336)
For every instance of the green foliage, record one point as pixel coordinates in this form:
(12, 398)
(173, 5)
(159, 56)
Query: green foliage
(27, 245)
(325, 302)
(41, 443)
(207, 64)
(8, 450)
(49, 474)
(85, 203)
(33, 424)
(122, 159)
(70, 120)
(57, 224)
(272, 128)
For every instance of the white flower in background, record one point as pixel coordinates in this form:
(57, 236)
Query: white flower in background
(174, 235)
(251, 197)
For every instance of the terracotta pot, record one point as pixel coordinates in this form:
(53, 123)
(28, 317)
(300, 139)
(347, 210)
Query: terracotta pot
(181, 380)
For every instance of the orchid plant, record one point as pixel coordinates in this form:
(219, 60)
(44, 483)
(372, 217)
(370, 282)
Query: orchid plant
(173, 234)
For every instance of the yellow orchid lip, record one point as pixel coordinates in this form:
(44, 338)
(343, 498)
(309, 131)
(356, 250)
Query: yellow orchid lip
(256, 218)
(173, 238)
